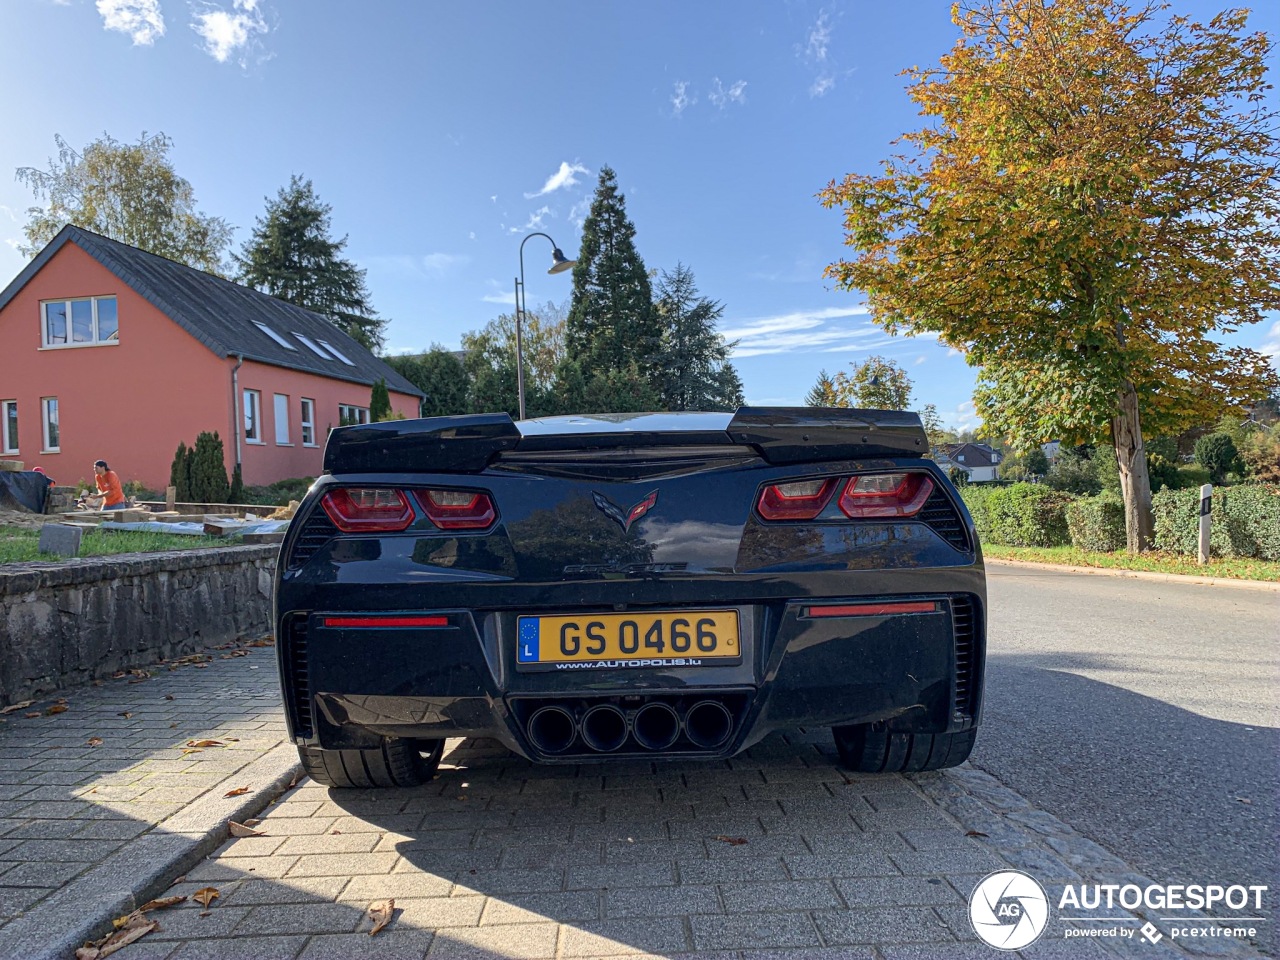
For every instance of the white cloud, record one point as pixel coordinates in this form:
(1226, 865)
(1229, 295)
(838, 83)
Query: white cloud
(681, 99)
(440, 264)
(819, 40)
(820, 86)
(493, 198)
(566, 176)
(535, 221)
(434, 266)
(471, 235)
(140, 19)
(10, 213)
(722, 97)
(506, 299)
(226, 31)
(578, 212)
(805, 331)
(921, 359)
(1271, 346)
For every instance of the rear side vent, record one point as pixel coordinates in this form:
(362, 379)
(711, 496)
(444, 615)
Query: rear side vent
(964, 619)
(297, 683)
(315, 533)
(943, 519)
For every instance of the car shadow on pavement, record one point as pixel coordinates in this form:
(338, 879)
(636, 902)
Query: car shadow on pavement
(497, 857)
(1181, 797)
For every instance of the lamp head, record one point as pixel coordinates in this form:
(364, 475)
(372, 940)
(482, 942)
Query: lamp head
(558, 262)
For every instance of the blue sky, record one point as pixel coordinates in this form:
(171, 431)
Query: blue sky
(442, 133)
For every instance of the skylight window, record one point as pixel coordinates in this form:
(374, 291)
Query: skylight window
(274, 336)
(313, 348)
(330, 347)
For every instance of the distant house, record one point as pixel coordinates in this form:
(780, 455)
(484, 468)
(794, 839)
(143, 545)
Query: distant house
(109, 352)
(979, 461)
(1050, 451)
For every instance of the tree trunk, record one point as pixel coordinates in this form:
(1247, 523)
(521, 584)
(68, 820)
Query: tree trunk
(1126, 434)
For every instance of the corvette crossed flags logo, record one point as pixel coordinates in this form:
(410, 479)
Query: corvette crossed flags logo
(624, 520)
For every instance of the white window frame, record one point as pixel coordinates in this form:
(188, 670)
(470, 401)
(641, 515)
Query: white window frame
(281, 418)
(7, 445)
(252, 407)
(328, 346)
(275, 336)
(308, 422)
(349, 410)
(95, 342)
(47, 404)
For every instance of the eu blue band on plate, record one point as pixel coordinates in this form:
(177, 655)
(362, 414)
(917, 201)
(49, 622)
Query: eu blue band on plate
(527, 648)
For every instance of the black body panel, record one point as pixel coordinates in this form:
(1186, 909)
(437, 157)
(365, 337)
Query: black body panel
(562, 544)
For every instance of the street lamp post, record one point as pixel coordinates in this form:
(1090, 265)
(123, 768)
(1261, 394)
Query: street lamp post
(558, 265)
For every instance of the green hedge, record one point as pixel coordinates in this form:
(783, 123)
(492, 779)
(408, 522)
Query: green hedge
(1246, 521)
(1097, 523)
(1021, 515)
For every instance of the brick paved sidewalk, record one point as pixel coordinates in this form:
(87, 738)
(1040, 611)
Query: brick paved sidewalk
(776, 854)
(102, 799)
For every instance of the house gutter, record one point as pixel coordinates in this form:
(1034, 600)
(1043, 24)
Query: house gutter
(235, 405)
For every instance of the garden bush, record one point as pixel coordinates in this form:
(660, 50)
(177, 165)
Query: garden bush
(1246, 521)
(1021, 515)
(1097, 523)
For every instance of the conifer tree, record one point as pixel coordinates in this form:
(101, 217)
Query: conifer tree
(693, 371)
(293, 257)
(612, 324)
(380, 402)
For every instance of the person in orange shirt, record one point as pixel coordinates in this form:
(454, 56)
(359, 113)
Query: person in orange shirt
(109, 488)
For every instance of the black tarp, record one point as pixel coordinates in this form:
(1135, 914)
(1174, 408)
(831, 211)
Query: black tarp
(23, 491)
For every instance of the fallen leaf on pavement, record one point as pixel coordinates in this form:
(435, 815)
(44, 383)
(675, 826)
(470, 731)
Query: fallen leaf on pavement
(201, 666)
(233, 739)
(56, 708)
(35, 714)
(240, 830)
(161, 903)
(14, 708)
(336, 832)
(264, 642)
(94, 741)
(731, 841)
(191, 750)
(121, 938)
(380, 912)
(133, 919)
(252, 822)
(205, 896)
(237, 792)
(126, 714)
(1244, 800)
(168, 696)
(204, 743)
(975, 833)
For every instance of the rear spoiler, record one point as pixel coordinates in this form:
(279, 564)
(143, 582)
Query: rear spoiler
(468, 444)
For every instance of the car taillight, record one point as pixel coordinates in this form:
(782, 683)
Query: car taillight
(800, 500)
(458, 509)
(367, 509)
(885, 495)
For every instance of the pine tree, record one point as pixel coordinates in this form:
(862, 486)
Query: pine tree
(292, 256)
(380, 402)
(208, 470)
(612, 321)
(236, 494)
(822, 393)
(692, 370)
(180, 474)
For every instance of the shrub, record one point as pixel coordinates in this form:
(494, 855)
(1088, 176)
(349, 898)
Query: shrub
(958, 477)
(180, 473)
(1028, 515)
(1246, 521)
(1097, 523)
(1073, 473)
(208, 470)
(236, 493)
(278, 494)
(975, 498)
(379, 402)
(1217, 453)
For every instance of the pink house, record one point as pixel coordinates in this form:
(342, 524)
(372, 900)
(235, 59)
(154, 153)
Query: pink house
(108, 352)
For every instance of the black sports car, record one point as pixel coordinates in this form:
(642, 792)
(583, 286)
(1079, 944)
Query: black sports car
(666, 585)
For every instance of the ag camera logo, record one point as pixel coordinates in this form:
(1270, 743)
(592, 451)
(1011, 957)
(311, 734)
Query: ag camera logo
(1008, 910)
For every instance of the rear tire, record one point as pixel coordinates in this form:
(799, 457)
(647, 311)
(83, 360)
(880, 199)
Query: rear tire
(867, 750)
(397, 763)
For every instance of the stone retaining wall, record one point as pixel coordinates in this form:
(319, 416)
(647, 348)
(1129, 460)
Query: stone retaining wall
(67, 623)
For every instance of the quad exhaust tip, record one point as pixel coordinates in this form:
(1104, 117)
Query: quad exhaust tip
(552, 730)
(708, 724)
(604, 728)
(656, 726)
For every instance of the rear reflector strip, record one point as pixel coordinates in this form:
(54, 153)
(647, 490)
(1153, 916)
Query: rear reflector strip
(873, 609)
(386, 621)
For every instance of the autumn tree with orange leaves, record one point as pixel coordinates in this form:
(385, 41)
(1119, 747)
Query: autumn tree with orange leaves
(1091, 204)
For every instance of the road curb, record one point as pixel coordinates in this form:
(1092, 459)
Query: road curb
(146, 867)
(1137, 574)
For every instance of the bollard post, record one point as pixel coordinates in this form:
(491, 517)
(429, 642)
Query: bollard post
(1206, 507)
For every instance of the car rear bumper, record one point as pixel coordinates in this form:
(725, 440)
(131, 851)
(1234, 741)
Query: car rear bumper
(348, 685)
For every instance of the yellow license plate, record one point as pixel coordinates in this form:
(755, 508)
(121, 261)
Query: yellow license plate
(688, 638)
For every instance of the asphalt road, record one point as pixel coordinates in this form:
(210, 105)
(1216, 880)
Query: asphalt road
(1145, 714)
